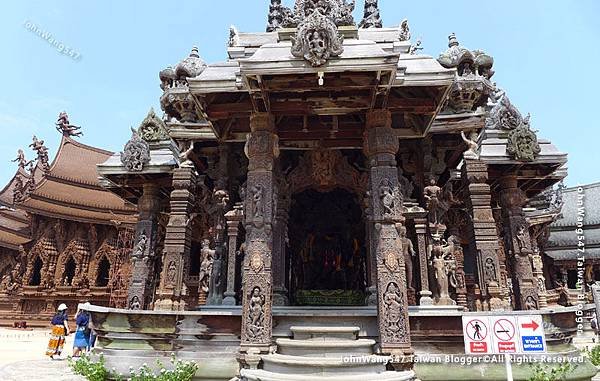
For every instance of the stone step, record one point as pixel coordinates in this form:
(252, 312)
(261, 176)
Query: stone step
(311, 332)
(262, 375)
(325, 347)
(285, 364)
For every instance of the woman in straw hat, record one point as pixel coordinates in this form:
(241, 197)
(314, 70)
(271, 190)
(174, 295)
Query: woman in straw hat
(60, 329)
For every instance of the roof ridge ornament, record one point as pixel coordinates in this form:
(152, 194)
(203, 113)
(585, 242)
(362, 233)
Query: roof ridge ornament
(404, 31)
(65, 127)
(522, 142)
(153, 128)
(371, 15)
(136, 153)
(317, 38)
(42, 153)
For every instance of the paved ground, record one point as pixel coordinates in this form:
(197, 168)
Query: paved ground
(22, 357)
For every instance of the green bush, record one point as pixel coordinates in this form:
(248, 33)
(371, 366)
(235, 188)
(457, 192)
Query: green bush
(96, 370)
(544, 373)
(593, 355)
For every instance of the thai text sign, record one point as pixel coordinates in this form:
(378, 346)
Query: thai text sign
(517, 334)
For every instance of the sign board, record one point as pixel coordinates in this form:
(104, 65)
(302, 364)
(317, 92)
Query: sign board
(501, 334)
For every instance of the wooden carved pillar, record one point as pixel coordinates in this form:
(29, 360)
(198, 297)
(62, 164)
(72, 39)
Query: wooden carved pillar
(178, 240)
(143, 256)
(381, 145)
(262, 149)
(483, 234)
(233, 218)
(518, 242)
(421, 231)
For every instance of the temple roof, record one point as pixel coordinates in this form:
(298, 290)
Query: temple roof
(580, 205)
(70, 188)
(14, 228)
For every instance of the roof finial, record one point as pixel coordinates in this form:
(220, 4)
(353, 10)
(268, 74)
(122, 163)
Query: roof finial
(65, 127)
(371, 17)
(278, 16)
(194, 52)
(452, 41)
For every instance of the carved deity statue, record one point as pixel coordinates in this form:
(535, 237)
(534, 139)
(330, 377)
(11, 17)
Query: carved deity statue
(521, 238)
(256, 314)
(406, 186)
(65, 127)
(414, 48)
(440, 274)
(171, 273)
(471, 141)
(142, 244)
(207, 257)
(371, 17)
(490, 271)
(134, 303)
(388, 199)
(258, 208)
(20, 159)
(408, 252)
(392, 298)
(432, 194)
(404, 31)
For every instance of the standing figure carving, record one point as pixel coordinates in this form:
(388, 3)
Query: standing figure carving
(256, 312)
(207, 256)
(408, 252)
(521, 238)
(490, 270)
(257, 201)
(388, 199)
(42, 152)
(392, 298)
(432, 193)
(134, 303)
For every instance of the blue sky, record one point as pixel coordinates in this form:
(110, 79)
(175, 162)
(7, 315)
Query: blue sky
(545, 52)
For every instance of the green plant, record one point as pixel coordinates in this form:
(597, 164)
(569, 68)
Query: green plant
(593, 355)
(91, 370)
(182, 371)
(96, 370)
(544, 373)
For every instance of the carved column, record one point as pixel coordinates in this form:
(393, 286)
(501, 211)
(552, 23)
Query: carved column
(381, 145)
(233, 217)
(421, 231)
(257, 283)
(483, 234)
(518, 243)
(143, 256)
(178, 241)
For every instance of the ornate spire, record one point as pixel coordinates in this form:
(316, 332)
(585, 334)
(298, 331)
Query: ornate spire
(371, 17)
(278, 16)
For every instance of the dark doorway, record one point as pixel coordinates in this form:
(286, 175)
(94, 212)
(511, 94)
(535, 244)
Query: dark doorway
(69, 272)
(103, 272)
(36, 277)
(327, 254)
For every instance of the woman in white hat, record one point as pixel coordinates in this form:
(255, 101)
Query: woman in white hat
(60, 329)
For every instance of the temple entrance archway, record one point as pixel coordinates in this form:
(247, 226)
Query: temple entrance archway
(327, 248)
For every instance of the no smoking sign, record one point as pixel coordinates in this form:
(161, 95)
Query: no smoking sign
(504, 329)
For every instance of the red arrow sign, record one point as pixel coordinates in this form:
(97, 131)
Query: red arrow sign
(533, 325)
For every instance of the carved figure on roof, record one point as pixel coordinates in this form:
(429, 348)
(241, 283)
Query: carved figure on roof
(503, 116)
(65, 127)
(522, 142)
(404, 31)
(317, 37)
(279, 16)
(371, 16)
(42, 152)
(136, 153)
(346, 10)
(20, 159)
(415, 47)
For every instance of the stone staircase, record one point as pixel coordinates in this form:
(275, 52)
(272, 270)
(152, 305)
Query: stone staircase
(324, 354)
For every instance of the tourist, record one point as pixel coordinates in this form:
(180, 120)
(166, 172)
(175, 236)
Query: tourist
(60, 329)
(81, 341)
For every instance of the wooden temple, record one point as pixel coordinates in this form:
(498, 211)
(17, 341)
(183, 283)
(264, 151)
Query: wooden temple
(326, 168)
